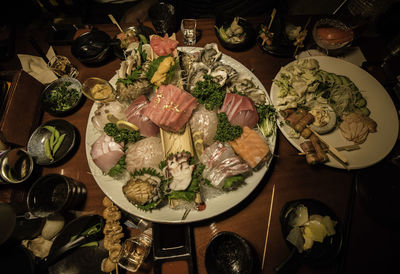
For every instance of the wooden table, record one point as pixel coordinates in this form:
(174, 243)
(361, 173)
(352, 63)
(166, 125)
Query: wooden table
(372, 247)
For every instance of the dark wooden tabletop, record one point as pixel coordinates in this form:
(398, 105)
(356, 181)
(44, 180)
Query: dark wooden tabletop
(372, 247)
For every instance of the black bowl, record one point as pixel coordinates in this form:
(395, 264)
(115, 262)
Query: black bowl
(228, 252)
(281, 45)
(52, 106)
(54, 193)
(92, 48)
(225, 22)
(36, 142)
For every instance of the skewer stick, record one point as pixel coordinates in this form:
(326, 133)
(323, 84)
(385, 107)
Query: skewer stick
(268, 226)
(272, 19)
(115, 22)
(331, 148)
(305, 29)
(346, 148)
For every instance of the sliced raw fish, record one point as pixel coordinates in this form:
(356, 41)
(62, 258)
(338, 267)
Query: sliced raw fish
(204, 121)
(105, 152)
(134, 114)
(170, 107)
(220, 163)
(162, 46)
(251, 147)
(240, 110)
(144, 154)
(115, 108)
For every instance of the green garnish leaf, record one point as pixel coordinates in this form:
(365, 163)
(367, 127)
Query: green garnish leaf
(225, 131)
(209, 93)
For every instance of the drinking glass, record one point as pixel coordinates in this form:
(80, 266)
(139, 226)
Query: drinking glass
(134, 251)
(61, 66)
(163, 18)
(188, 27)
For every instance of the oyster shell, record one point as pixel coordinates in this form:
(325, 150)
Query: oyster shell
(240, 85)
(186, 60)
(220, 77)
(219, 66)
(196, 74)
(210, 54)
(128, 93)
(257, 95)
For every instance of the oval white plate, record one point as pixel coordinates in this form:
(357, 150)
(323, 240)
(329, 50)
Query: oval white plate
(215, 206)
(383, 111)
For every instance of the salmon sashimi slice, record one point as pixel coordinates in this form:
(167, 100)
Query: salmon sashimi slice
(251, 147)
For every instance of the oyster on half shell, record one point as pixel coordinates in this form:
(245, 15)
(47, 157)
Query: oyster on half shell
(210, 54)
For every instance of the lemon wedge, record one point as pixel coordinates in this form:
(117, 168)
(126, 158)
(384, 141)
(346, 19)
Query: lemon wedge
(112, 118)
(127, 125)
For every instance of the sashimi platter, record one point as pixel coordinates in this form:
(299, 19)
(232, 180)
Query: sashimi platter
(189, 134)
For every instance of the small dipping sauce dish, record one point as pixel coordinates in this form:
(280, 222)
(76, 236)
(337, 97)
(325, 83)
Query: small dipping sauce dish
(98, 90)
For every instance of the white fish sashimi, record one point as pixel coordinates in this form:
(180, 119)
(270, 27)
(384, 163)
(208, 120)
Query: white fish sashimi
(105, 152)
(221, 162)
(144, 154)
(115, 108)
(204, 121)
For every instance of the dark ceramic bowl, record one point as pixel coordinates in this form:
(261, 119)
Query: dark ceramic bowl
(92, 48)
(281, 45)
(225, 22)
(321, 254)
(228, 252)
(36, 142)
(55, 193)
(50, 104)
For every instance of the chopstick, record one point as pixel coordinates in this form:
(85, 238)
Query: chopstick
(115, 22)
(268, 226)
(332, 149)
(342, 148)
(38, 49)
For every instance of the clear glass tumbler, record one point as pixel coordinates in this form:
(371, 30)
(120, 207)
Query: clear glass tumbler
(188, 27)
(61, 66)
(134, 251)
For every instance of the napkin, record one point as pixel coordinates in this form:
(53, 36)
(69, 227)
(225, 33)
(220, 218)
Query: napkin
(353, 55)
(37, 67)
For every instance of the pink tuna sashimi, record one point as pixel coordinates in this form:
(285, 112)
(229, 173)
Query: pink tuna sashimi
(240, 110)
(105, 152)
(163, 46)
(170, 107)
(134, 114)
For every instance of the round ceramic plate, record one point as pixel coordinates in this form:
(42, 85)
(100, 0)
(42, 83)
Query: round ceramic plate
(383, 111)
(215, 206)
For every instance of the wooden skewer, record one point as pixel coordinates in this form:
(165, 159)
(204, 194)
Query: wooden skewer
(346, 148)
(271, 20)
(332, 149)
(115, 22)
(268, 226)
(305, 29)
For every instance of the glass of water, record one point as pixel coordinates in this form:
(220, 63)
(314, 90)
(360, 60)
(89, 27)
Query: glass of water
(188, 27)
